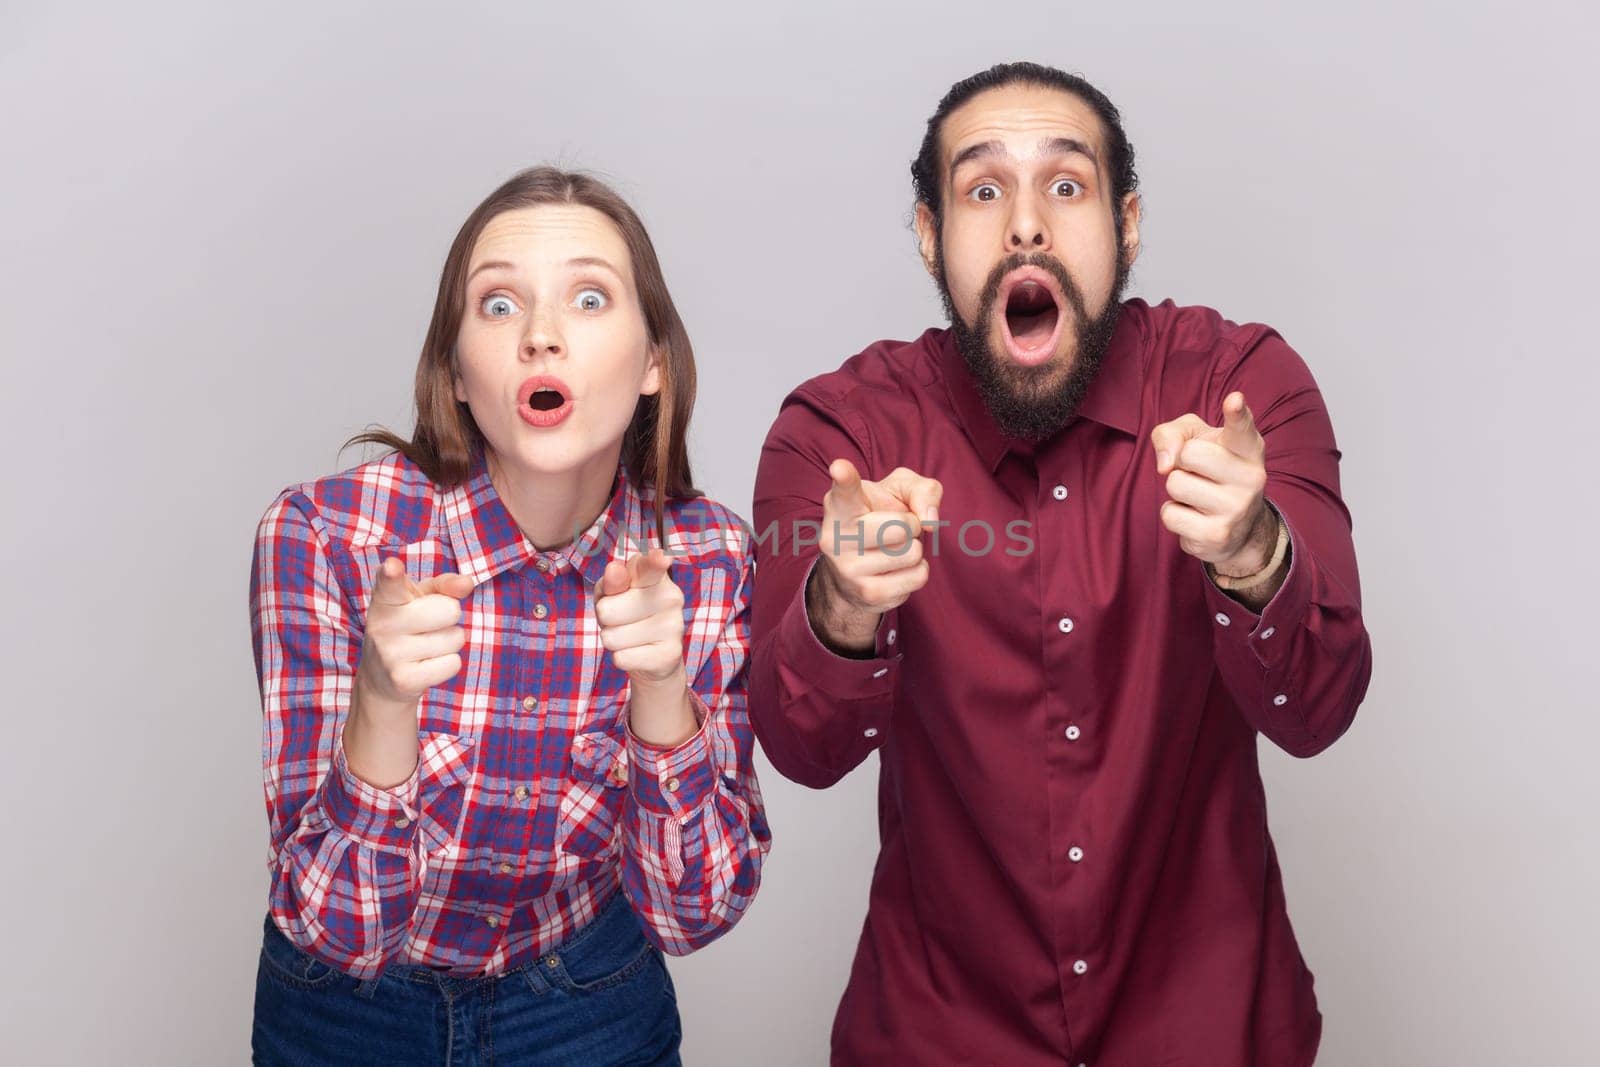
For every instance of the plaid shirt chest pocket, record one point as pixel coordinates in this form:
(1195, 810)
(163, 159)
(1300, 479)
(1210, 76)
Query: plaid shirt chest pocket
(592, 795)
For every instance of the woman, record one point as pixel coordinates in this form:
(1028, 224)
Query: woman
(506, 745)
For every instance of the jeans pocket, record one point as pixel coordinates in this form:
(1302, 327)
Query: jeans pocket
(638, 965)
(286, 964)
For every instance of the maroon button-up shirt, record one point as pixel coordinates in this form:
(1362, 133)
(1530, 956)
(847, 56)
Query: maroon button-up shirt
(1075, 862)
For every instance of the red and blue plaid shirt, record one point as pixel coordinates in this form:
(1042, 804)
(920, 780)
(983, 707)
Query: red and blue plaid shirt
(532, 803)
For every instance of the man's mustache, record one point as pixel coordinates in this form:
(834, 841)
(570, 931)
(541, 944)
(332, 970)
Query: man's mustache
(1041, 260)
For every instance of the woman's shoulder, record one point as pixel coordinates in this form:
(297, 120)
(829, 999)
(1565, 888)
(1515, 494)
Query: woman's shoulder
(708, 533)
(386, 500)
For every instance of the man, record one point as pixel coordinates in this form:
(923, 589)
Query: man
(1075, 554)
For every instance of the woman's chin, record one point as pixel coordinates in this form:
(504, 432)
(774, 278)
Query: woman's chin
(554, 457)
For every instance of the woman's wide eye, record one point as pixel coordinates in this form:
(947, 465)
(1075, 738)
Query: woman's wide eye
(1067, 187)
(498, 307)
(591, 300)
(986, 192)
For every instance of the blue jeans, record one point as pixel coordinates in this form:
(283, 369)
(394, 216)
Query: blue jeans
(604, 997)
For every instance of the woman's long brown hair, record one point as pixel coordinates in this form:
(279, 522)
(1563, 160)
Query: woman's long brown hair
(654, 446)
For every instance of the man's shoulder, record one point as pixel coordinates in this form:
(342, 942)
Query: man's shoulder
(882, 372)
(1197, 355)
(1195, 331)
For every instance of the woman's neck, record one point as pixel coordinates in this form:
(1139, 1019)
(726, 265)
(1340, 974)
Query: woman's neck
(553, 509)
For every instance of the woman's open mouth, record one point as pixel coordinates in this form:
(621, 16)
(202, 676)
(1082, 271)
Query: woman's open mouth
(543, 401)
(1031, 324)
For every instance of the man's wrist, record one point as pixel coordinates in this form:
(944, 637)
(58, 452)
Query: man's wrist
(1265, 578)
(1258, 552)
(840, 626)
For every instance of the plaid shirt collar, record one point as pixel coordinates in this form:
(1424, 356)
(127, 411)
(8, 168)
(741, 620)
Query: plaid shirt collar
(487, 541)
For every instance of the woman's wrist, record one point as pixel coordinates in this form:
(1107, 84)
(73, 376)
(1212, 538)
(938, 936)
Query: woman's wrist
(660, 712)
(380, 740)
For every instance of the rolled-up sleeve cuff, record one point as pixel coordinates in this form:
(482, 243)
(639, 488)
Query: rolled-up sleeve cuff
(674, 781)
(426, 809)
(378, 818)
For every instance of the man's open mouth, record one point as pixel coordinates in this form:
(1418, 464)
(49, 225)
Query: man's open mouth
(1032, 319)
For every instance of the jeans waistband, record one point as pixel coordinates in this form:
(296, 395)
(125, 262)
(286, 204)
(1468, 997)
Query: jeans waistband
(614, 921)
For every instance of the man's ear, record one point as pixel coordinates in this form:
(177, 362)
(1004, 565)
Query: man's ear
(1132, 209)
(927, 239)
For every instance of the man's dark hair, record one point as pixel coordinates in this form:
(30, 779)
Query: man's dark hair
(928, 182)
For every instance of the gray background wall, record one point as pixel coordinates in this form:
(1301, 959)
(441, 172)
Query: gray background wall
(222, 234)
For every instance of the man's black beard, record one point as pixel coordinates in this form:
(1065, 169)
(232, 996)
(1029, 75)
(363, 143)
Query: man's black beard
(1023, 401)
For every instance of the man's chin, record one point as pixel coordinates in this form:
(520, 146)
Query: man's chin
(1029, 376)
(1031, 402)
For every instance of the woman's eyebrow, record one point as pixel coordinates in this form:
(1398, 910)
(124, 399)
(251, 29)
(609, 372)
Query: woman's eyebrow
(593, 261)
(575, 261)
(493, 264)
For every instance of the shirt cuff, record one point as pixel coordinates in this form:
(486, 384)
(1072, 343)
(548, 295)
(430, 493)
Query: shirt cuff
(673, 781)
(426, 808)
(804, 656)
(1265, 636)
(384, 819)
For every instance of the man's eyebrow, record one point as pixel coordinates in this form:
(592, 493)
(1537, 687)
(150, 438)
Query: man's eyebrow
(982, 150)
(1062, 146)
(1049, 146)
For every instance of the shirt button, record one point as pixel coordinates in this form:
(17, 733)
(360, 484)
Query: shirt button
(1268, 632)
(1280, 700)
(543, 565)
(493, 920)
(1075, 854)
(505, 868)
(540, 611)
(522, 792)
(1223, 620)
(1065, 626)
(1059, 492)
(889, 638)
(1073, 733)
(672, 785)
(402, 822)
(871, 731)
(1081, 967)
(529, 703)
